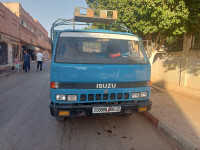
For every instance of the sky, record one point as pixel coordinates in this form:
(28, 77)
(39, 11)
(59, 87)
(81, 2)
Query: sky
(47, 11)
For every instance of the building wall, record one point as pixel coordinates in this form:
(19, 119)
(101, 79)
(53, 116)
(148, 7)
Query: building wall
(14, 7)
(28, 27)
(29, 34)
(178, 71)
(192, 75)
(9, 22)
(42, 36)
(31, 31)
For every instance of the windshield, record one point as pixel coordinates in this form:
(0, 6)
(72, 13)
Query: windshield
(97, 48)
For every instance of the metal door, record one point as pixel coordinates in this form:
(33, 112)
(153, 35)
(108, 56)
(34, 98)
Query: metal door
(3, 53)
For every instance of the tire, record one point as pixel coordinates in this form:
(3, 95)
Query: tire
(60, 119)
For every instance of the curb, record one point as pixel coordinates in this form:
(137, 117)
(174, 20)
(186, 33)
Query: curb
(179, 141)
(7, 73)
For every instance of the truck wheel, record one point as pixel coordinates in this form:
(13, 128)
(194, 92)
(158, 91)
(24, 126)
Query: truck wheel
(60, 119)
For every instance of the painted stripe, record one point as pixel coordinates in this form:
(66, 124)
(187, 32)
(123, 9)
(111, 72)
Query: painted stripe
(63, 85)
(99, 35)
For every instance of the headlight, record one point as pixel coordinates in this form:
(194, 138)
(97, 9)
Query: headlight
(143, 94)
(135, 95)
(60, 97)
(72, 98)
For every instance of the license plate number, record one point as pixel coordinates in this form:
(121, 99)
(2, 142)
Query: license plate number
(106, 109)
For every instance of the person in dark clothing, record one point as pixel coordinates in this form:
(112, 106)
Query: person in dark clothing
(26, 61)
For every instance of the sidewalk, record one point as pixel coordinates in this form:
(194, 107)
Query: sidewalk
(5, 70)
(177, 116)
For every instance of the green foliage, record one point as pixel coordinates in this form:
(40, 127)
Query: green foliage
(174, 44)
(193, 22)
(155, 19)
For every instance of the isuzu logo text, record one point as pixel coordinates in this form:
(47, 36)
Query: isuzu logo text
(106, 85)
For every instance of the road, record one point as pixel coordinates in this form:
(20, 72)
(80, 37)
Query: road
(26, 123)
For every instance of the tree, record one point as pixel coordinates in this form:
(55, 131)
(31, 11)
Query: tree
(157, 20)
(193, 22)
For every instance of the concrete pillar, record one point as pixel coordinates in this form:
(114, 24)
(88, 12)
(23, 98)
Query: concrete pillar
(182, 70)
(10, 53)
(187, 41)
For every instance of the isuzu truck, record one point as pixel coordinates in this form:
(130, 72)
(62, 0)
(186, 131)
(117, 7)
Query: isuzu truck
(98, 72)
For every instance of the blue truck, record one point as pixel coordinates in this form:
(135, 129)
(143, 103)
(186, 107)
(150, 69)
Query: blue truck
(98, 72)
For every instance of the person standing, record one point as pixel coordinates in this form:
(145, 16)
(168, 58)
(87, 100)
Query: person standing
(27, 58)
(39, 58)
(17, 62)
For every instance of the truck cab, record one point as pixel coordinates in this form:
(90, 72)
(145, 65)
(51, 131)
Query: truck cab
(98, 72)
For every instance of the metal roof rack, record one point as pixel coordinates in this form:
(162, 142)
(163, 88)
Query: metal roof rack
(61, 22)
(84, 16)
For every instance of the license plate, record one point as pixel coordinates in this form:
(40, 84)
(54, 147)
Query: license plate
(106, 109)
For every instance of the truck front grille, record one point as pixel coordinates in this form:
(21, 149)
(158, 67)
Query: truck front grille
(126, 95)
(119, 96)
(90, 97)
(98, 97)
(83, 97)
(112, 96)
(105, 96)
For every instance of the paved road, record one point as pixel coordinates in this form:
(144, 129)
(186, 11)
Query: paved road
(26, 124)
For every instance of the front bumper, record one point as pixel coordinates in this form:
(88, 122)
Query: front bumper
(86, 110)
